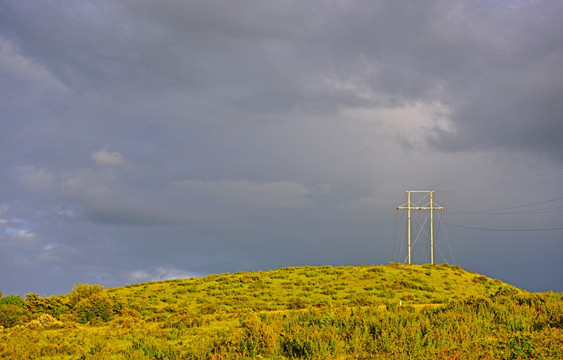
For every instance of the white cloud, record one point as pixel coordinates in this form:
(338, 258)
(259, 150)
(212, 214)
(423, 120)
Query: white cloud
(411, 122)
(105, 157)
(280, 194)
(36, 178)
(84, 183)
(23, 234)
(24, 68)
(158, 274)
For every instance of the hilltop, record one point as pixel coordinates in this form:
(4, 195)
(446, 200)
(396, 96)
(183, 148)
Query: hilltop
(392, 311)
(324, 286)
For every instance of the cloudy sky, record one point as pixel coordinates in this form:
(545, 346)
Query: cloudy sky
(144, 140)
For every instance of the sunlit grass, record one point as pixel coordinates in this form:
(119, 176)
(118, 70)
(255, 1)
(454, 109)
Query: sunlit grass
(393, 311)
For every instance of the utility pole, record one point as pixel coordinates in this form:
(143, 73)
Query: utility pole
(409, 222)
(430, 206)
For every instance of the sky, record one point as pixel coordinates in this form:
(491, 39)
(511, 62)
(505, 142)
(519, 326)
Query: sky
(147, 140)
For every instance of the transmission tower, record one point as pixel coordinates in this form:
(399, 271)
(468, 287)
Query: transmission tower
(415, 206)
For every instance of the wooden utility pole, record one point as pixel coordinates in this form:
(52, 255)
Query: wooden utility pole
(430, 207)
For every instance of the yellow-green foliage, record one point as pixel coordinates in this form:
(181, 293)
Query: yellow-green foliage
(365, 312)
(301, 287)
(90, 302)
(12, 311)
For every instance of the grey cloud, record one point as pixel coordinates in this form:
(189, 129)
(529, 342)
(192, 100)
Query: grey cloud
(284, 194)
(120, 214)
(91, 193)
(144, 139)
(507, 97)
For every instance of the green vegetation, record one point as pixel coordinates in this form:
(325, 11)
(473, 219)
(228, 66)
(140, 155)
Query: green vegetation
(364, 312)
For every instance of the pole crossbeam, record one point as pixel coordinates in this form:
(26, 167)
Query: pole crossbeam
(409, 207)
(421, 208)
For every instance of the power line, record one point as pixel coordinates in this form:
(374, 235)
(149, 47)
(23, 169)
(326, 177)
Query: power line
(508, 208)
(491, 229)
(409, 207)
(549, 210)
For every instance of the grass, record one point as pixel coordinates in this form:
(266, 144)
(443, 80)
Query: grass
(309, 286)
(370, 312)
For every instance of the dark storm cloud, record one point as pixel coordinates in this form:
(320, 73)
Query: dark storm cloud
(496, 67)
(507, 95)
(144, 139)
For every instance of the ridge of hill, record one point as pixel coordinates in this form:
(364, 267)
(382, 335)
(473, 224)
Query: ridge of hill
(322, 286)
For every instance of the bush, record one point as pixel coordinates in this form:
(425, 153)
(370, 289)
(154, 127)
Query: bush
(12, 315)
(91, 302)
(44, 321)
(84, 291)
(12, 311)
(12, 299)
(34, 302)
(96, 306)
(297, 303)
(361, 300)
(258, 337)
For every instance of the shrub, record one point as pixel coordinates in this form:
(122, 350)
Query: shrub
(12, 315)
(91, 302)
(376, 269)
(296, 303)
(44, 321)
(12, 299)
(361, 300)
(258, 337)
(34, 302)
(505, 291)
(153, 350)
(480, 279)
(54, 305)
(96, 306)
(12, 311)
(84, 291)
(519, 347)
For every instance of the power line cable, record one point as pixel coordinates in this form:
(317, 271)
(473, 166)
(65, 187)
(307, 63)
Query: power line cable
(521, 212)
(505, 208)
(492, 229)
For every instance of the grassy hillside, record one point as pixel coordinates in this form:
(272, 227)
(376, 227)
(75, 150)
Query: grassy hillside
(300, 287)
(393, 311)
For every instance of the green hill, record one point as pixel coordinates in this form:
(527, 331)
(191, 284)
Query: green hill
(393, 311)
(299, 287)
